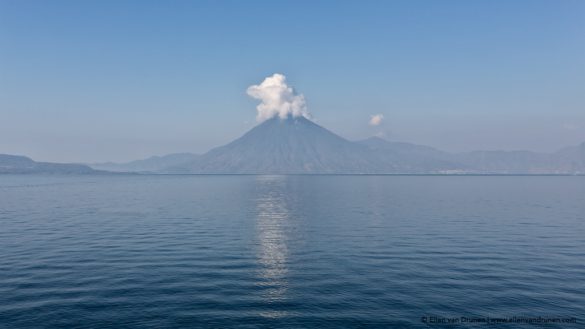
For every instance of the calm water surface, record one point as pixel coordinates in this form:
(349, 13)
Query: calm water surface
(289, 251)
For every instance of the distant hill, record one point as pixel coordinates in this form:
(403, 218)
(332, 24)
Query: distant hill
(506, 161)
(410, 158)
(569, 160)
(152, 164)
(15, 164)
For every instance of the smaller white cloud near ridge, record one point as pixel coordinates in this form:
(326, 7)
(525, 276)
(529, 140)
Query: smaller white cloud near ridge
(376, 119)
(277, 98)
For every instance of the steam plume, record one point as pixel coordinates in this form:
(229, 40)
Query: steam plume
(277, 98)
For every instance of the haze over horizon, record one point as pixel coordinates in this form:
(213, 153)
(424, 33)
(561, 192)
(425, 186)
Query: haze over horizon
(100, 81)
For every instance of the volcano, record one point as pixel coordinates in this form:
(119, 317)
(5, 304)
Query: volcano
(279, 146)
(297, 145)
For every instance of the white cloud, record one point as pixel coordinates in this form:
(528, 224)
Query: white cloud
(376, 119)
(277, 98)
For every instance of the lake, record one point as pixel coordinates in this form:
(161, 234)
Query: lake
(171, 251)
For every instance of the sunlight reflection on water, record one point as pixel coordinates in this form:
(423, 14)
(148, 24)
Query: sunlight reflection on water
(272, 252)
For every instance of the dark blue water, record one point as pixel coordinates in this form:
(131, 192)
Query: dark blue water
(289, 251)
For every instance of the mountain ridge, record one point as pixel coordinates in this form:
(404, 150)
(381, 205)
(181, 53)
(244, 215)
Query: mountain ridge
(300, 146)
(18, 164)
(149, 165)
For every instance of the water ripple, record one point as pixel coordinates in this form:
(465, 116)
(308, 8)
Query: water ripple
(288, 251)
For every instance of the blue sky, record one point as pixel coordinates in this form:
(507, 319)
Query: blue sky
(119, 80)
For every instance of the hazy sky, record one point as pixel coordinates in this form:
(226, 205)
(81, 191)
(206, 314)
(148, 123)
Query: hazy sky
(119, 80)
